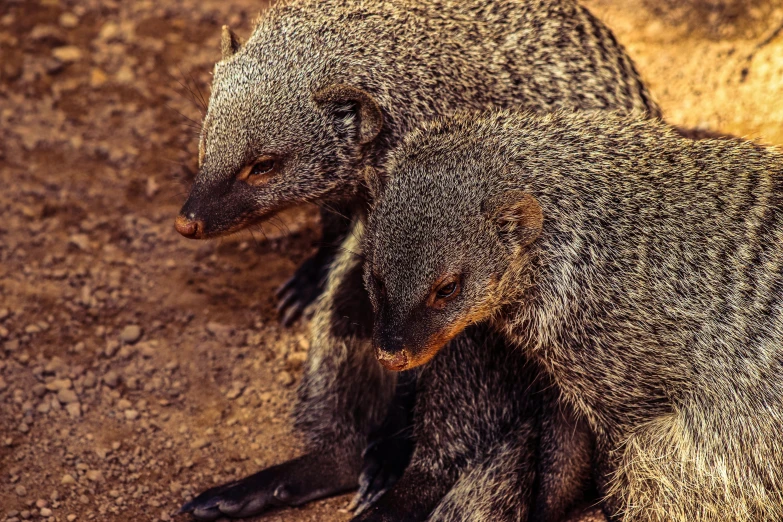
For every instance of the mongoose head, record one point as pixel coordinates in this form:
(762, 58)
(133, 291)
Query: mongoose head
(442, 244)
(275, 134)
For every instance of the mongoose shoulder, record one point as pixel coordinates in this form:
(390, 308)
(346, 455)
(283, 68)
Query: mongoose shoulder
(644, 270)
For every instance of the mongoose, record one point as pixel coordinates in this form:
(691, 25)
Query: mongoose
(644, 271)
(324, 88)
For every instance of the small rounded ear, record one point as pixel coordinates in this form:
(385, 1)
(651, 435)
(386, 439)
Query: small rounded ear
(345, 98)
(375, 181)
(229, 42)
(518, 217)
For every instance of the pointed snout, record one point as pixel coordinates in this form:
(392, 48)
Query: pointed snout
(190, 228)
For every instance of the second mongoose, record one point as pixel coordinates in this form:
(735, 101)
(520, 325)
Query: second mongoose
(644, 271)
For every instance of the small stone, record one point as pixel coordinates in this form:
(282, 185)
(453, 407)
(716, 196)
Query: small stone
(41, 503)
(111, 379)
(94, 475)
(285, 378)
(45, 512)
(112, 346)
(74, 409)
(124, 404)
(4, 314)
(89, 380)
(219, 330)
(125, 75)
(97, 78)
(296, 360)
(130, 334)
(59, 384)
(199, 443)
(3, 384)
(67, 54)
(67, 480)
(131, 414)
(69, 20)
(23, 427)
(70, 518)
(236, 390)
(67, 396)
(20, 490)
(109, 31)
(12, 345)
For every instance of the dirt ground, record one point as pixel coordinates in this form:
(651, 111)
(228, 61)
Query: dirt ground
(137, 367)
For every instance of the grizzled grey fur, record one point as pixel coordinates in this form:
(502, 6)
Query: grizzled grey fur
(323, 89)
(643, 270)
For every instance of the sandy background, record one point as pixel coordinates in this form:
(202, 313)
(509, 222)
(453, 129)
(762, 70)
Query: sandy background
(137, 367)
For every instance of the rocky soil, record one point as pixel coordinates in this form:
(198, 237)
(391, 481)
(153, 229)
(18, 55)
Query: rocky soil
(137, 367)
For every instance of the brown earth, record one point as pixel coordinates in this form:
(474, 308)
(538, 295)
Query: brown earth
(137, 367)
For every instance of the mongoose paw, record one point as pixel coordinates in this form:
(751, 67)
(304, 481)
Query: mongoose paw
(385, 460)
(242, 498)
(302, 289)
(293, 483)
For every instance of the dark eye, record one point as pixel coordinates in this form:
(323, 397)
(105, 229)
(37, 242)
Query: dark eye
(264, 166)
(447, 290)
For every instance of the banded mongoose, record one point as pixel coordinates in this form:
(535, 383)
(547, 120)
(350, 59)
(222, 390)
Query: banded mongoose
(642, 270)
(323, 89)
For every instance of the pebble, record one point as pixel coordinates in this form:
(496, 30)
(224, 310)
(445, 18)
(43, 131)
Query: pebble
(59, 384)
(111, 379)
(285, 378)
(131, 414)
(199, 443)
(66, 396)
(3, 384)
(236, 390)
(45, 512)
(69, 20)
(130, 334)
(296, 360)
(94, 475)
(20, 490)
(4, 313)
(111, 347)
(218, 329)
(70, 518)
(124, 404)
(67, 480)
(74, 409)
(67, 54)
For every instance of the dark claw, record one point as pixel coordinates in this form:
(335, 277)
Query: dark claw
(285, 286)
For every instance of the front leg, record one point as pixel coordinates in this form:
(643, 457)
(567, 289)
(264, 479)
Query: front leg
(308, 282)
(390, 447)
(293, 483)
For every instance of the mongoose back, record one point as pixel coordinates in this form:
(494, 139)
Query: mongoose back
(319, 91)
(644, 271)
